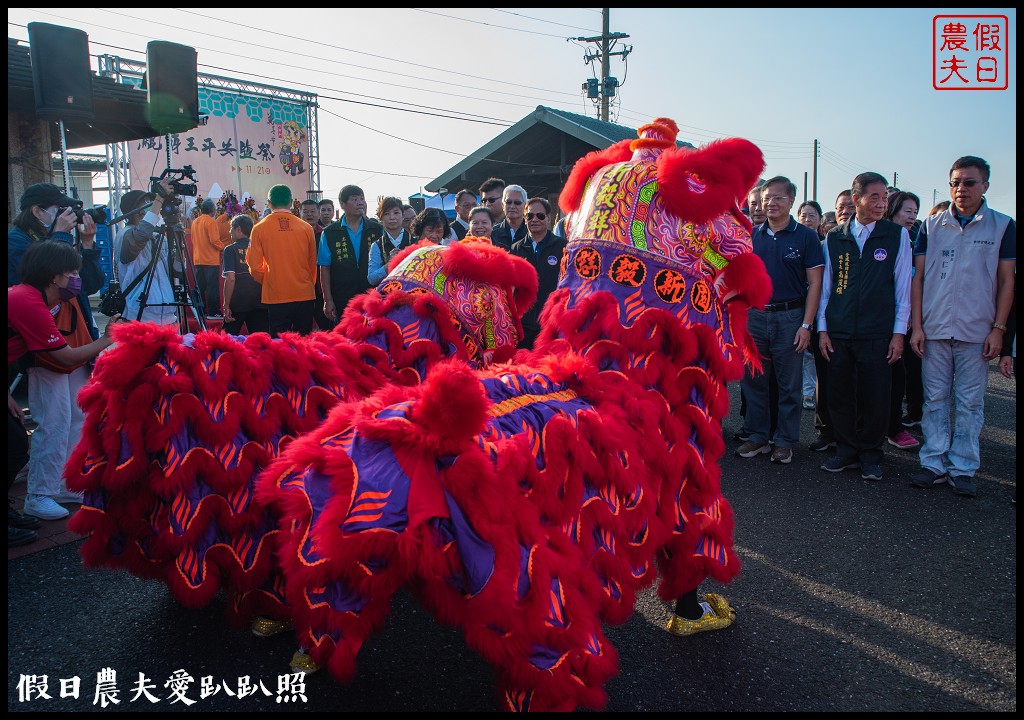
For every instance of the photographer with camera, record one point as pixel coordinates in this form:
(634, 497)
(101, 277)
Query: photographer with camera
(139, 252)
(48, 214)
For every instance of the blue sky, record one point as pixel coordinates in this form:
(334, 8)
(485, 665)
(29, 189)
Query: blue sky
(857, 80)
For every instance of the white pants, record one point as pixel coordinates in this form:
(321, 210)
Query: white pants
(53, 402)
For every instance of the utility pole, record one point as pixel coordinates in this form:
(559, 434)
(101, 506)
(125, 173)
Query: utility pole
(814, 193)
(604, 89)
(894, 176)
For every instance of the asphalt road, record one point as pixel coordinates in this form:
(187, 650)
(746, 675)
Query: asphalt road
(854, 596)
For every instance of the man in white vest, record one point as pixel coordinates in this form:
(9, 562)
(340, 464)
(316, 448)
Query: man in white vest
(965, 259)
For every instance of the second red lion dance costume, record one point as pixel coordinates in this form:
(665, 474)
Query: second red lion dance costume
(528, 502)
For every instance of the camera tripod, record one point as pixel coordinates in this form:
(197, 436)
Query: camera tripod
(179, 271)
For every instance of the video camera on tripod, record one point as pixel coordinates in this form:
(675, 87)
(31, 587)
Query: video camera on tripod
(172, 201)
(178, 259)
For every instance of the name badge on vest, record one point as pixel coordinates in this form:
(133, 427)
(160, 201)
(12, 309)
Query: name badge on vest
(880, 254)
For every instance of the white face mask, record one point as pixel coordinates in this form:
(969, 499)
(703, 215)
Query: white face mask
(50, 216)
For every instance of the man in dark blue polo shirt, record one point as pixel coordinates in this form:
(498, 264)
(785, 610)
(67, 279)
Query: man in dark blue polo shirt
(781, 329)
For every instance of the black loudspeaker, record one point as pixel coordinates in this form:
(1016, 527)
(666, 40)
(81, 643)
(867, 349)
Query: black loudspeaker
(61, 75)
(172, 87)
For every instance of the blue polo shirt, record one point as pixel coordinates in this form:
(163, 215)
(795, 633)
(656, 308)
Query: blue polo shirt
(787, 256)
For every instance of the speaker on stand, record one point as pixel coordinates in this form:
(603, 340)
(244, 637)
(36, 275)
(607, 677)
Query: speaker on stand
(172, 87)
(61, 78)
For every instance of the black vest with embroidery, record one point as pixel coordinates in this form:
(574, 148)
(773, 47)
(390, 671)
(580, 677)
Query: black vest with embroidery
(348, 273)
(862, 302)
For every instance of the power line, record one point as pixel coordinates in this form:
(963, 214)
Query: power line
(504, 93)
(422, 145)
(480, 22)
(546, 22)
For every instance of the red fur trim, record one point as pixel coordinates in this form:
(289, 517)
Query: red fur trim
(723, 171)
(572, 193)
(745, 274)
(492, 265)
(452, 403)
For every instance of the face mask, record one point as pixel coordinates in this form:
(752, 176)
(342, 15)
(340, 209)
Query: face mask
(51, 217)
(74, 287)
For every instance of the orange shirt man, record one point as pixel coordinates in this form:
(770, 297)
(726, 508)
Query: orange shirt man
(282, 257)
(207, 245)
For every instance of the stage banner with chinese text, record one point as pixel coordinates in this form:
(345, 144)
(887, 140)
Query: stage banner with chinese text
(249, 144)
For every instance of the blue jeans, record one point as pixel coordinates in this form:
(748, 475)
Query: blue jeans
(956, 371)
(773, 333)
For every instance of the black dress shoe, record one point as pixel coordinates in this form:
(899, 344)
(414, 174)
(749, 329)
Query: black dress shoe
(16, 537)
(23, 522)
(822, 444)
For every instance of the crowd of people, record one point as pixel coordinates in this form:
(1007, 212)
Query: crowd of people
(900, 318)
(879, 322)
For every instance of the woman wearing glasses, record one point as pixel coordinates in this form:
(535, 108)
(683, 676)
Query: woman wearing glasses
(542, 249)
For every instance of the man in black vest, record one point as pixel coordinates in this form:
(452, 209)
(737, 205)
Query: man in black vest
(465, 201)
(862, 321)
(344, 252)
(542, 249)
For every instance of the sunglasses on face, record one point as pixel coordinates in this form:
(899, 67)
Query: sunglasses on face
(537, 216)
(970, 182)
(513, 202)
(488, 201)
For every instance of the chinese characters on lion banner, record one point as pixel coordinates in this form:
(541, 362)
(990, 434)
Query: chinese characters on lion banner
(970, 52)
(248, 145)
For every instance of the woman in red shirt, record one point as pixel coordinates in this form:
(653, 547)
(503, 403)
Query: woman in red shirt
(49, 274)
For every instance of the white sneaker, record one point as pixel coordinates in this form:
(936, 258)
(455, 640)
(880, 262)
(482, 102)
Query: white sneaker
(44, 507)
(66, 496)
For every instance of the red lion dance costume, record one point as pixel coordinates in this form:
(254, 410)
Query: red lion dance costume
(528, 501)
(177, 429)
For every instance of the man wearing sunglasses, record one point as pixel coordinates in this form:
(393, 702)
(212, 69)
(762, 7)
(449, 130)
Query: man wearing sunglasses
(490, 192)
(513, 228)
(965, 260)
(542, 249)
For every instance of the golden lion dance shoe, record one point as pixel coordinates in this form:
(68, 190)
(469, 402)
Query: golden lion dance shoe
(303, 663)
(265, 627)
(718, 614)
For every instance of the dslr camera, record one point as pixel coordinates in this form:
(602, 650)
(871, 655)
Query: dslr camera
(98, 213)
(112, 301)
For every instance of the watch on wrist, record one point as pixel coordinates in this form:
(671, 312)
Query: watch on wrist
(999, 326)
(806, 326)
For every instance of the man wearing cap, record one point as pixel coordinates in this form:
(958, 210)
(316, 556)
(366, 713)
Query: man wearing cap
(134, 249)
(46, 214)
(282, 258)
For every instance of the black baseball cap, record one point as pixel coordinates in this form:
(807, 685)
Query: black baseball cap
(133, 199)
(44, 195)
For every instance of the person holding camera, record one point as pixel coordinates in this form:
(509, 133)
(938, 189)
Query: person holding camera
(139, 252)
(48, 214)
(49, 281)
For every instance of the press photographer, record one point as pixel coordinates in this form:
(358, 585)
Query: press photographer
(48, 214)
(141, 251)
